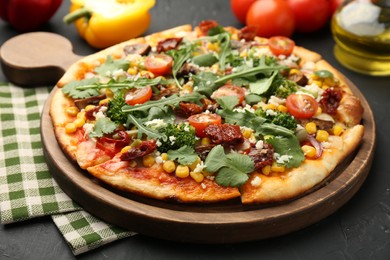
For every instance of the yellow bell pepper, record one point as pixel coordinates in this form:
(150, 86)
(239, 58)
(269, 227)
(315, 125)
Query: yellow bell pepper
(103, 23)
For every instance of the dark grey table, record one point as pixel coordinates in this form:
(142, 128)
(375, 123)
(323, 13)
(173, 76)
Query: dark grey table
(359, 230)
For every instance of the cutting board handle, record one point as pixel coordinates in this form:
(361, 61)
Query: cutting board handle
(36, 58)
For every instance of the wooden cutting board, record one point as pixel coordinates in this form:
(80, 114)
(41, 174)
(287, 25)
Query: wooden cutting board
(214, 223)
(36, 58)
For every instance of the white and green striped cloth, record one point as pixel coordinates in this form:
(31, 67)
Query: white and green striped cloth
(27, 190)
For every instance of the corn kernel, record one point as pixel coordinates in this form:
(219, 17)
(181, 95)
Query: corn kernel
(187, 88)
(266, 170)
(197, 176)
(182, 171)
(318, 83)
(294, 71)
(133, 164)
(277, 168)
(213, 46)
(145, 73)
(164, 156)
(125, 149)
(269, 106)
(132, 71)
(309, 151)
(325, 87)
(89, 107)
(79, 122)
(205, 141)
(169, 166)
(329, 81)
(104, 102)
(311, 128)
(319, 111)
(70, 128)
(81, 115)
(72, 111)
(322, 136)
(194, 164)
(109, 93)
(315, 77)
(148, 160)
(282, 108)
(337, 130)
(247, 133)
(243, 54)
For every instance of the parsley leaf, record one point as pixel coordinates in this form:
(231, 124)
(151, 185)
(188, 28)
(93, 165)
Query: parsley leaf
(288, 146)
(232, 169)
(71, 90)
(185, 155)
(111, 65)
(227, 102)
(103, 126)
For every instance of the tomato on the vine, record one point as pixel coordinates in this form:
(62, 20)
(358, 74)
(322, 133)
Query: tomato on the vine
(280, 45)
(301, 105)
(230, 90)
(159, 64)
(240, 8)
(271, 17)
(334, 4)
(201, 121)
(310, 16)
(138, 95)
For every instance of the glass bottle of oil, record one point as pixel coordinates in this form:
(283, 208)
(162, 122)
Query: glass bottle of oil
(361, 29)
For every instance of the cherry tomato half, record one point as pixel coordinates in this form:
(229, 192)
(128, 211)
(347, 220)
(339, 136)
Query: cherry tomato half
(271, 17)
(159, 64)
(310, 16)
(138, 95)
(201, 121)
(229, 90)
(240, 8)
(280, 45)
(301, 105)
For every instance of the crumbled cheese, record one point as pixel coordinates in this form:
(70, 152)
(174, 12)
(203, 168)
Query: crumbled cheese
(199, 167)
(203, 185)
(326, 145)
(270, 112)
(256, 181)
(88, 128)
(210, 177)
(309, 65)
(282, 159)
(159, 160)
(260, 144)
(172, 139)
(243, 109)
(118, 73)
(158, 143)
(186, 128)
(276, 100)
(155, 123)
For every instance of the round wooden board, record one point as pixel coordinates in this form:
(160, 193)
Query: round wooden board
(214, 223)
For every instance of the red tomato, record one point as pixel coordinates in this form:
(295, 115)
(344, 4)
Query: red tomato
(229, 90)
(271, 17)
(310, 15)
(240, 8)
(201, 121)
(280, 45)
(138, 95)
(301, 105)
(159, 64)
(334, 4)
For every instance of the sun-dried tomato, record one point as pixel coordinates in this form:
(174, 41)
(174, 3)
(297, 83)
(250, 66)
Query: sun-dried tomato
(168, 44)
(330, 100)
(248, 33)
(262, 157)
(206, 25)
(224, 134)
(144, 148)
(188, 109)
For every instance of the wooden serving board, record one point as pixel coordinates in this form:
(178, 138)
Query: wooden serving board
(214, 223)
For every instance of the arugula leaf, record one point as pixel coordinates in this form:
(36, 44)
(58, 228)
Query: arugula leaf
(232, 169)
(172, 101)
(262, 85)
(204, 60)
(185, 155)
(103, 126)
(180, 56)
(164, 113)
(224, 43)
(142, 129)
(71, 90)
(216, 30)
(205, 81)
(253, 99)
(111, 65)
(228, 102)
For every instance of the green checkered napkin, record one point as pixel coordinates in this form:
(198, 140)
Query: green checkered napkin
(27, 190)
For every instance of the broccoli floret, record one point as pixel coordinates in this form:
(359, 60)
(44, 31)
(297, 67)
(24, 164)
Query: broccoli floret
(177, 136)
(114, 111)
(286, 88)
(278, 118)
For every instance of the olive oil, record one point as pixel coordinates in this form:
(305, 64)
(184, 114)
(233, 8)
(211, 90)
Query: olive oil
(361, 29)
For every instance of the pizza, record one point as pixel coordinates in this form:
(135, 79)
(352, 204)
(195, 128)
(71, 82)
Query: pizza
(206, 115)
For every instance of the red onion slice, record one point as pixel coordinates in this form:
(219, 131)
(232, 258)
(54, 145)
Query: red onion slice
(317, 145)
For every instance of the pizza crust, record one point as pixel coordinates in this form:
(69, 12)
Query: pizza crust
(276, 188)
